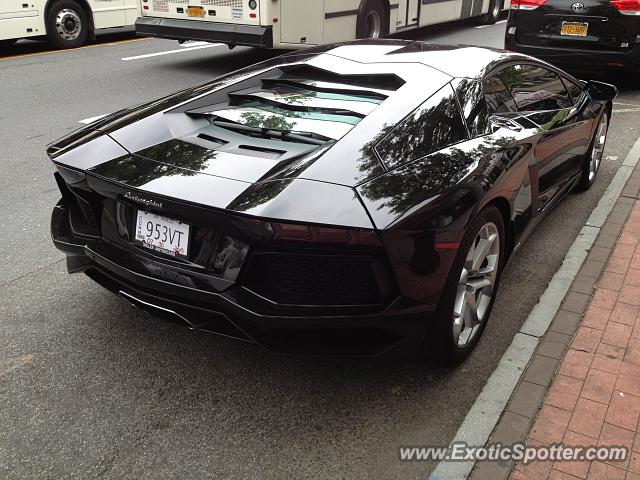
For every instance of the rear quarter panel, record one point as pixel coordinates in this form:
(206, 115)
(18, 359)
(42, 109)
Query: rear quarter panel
(432, 200)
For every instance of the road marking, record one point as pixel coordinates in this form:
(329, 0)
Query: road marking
(491, 25)
(484, 414)
(169, 52)
(49, 52)
(627, 104)
(192, 43)
(87, 121)
(626, 110)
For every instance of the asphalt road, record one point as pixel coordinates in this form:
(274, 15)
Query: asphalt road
(89, 386)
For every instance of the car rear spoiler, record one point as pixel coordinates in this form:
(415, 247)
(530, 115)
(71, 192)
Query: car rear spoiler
(601, 91)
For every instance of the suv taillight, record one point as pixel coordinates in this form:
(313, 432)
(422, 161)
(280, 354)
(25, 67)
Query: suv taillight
(627, 7)
(526, 4)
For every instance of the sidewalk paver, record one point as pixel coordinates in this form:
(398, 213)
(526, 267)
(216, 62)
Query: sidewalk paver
(582, 385)
(594, 398)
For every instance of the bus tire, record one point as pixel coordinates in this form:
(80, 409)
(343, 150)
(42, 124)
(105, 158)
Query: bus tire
(373, 21)
(491, 17)
(67, 24)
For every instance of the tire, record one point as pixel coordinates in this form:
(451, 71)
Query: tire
(593, 159)
(493, 14)
(442, 345)
(372, 20)
(67, 24)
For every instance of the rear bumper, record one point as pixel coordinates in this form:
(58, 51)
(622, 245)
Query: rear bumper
(579, 60)
(231, 34)
(234, 311)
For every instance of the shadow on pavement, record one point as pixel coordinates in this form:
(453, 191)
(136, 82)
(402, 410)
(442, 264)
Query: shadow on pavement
(215, 58)
(39, 44)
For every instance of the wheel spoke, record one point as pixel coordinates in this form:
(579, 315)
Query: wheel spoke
(486, 271)
(471, 314)
(468, 263)
(457, 328)
(458, 308)
(479, 283)
(481, 252)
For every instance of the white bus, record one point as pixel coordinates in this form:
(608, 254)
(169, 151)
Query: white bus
(67, 23)
(298, 23)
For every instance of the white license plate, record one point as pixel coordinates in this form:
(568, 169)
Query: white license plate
(162, 234)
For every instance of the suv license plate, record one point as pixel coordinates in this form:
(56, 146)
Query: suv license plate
(575, 29)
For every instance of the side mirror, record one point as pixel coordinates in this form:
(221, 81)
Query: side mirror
(601, 91)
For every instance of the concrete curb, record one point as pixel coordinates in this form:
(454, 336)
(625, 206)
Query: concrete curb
(533, 356)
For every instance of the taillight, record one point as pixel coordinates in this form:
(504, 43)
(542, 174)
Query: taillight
(627, 7)
(309, 235)
(526, 4)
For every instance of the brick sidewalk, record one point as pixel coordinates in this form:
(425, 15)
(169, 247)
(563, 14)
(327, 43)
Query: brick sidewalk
(594, 398)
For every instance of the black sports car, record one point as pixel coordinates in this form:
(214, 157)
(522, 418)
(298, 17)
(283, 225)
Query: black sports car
(347, 199)
(594, 35)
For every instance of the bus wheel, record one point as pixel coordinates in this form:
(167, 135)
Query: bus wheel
(67, 24)
(372, 20)
(495, 7)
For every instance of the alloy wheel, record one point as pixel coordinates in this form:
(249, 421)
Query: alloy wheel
(476, 285)
(598, 147)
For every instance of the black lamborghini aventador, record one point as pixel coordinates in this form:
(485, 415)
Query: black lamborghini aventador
(348, 199)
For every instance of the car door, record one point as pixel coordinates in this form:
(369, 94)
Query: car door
(541, 96)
